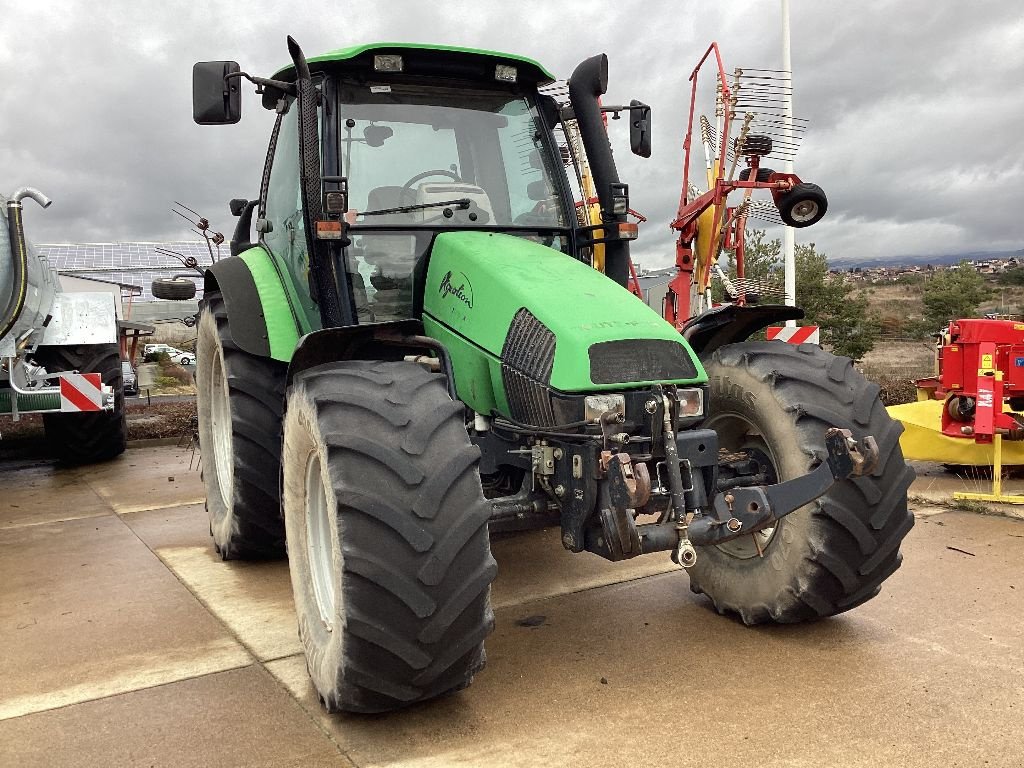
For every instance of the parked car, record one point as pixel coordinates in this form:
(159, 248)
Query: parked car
(131, 381)
(176, 355)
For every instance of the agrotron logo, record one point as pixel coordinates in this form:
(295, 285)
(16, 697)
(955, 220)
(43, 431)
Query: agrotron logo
(459, 287)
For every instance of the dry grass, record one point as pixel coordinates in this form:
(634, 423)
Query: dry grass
(896, 365)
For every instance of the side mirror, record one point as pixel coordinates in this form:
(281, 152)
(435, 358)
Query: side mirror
(216, 96)
(640, 128)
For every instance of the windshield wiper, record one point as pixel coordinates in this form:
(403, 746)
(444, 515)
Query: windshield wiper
(462, 204)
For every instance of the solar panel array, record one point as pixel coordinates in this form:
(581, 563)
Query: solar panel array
(128, 263)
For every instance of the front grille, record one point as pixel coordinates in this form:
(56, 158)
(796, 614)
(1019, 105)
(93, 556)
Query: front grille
(629, 360)
(527, 358)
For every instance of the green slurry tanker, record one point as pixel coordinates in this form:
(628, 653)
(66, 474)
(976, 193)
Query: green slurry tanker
(409, 349)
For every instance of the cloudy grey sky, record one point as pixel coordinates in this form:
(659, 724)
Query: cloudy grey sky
(916, 107)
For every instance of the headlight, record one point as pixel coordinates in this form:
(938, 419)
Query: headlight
(691, 402)
(596, 406)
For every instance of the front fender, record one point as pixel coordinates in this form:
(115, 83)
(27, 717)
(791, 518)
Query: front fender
(710, 330)
(260, 317)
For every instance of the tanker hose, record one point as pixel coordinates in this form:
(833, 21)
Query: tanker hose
(19, 252)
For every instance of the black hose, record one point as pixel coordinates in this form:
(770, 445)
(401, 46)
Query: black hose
(19, 284)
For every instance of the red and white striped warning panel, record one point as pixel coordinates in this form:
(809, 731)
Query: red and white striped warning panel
(804, 334)
(81, 392)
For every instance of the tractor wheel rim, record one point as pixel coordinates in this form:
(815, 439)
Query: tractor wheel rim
(735, 434)
(804, 211)
(220, 426)
(319, 543)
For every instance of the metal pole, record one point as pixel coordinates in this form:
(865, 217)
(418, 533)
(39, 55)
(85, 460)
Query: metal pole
(788, 240)
(997, 465)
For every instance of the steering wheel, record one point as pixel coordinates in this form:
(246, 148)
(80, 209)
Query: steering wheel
(426, 174)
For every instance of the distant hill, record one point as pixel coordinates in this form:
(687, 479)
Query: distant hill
(909, 261)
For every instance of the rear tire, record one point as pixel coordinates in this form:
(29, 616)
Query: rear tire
(387, 535)
(833, 554)
(240, 398)
(81, 438)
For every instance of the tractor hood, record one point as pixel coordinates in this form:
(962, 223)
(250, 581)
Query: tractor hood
(527, 313)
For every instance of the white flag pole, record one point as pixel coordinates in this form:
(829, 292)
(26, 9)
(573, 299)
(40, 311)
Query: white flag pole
(788, 240)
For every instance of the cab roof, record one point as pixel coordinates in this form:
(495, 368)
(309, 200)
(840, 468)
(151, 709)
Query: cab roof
(461, 59)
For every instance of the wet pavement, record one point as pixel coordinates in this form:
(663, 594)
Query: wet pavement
(124, 640)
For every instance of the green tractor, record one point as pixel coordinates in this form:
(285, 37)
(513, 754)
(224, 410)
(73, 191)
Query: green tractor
(408, 350)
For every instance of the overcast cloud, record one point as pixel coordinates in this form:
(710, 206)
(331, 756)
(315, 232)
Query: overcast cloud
(915, 107)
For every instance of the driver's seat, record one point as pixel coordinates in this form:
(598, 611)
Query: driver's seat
(382, 198)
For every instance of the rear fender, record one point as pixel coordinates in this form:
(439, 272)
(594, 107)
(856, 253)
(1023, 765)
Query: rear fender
(261, 319)
(726, 325)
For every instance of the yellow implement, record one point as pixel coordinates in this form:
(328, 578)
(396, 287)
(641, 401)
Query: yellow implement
(922, 439)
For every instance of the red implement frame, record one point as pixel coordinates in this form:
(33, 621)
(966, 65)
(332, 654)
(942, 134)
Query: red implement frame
(727, 227)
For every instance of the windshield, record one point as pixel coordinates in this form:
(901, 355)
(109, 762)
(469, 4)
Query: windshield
(445, 157)
(422, 158)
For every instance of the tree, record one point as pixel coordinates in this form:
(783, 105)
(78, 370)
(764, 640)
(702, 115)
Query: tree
(953, 294)
(1012, 276)
(828, 302)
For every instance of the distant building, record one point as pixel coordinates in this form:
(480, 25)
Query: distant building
(654, 286)
(132, 266)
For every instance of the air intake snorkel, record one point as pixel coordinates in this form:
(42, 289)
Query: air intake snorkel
(587, 84)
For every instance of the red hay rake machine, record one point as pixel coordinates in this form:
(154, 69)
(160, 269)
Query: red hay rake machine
(749, 126)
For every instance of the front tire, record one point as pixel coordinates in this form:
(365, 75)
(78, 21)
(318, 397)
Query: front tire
(774, 401)
(240, 398)
(387, 535)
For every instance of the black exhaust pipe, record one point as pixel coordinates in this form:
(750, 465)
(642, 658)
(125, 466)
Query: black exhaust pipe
(588, 83)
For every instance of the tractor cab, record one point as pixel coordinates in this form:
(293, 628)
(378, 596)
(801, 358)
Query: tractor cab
(412, 142)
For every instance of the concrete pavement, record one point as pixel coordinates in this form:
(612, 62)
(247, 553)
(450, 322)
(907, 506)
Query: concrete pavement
(125, 641)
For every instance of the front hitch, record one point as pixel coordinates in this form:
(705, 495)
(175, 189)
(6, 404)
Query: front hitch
(743, 511)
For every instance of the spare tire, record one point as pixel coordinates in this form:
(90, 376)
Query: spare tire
(173, 288)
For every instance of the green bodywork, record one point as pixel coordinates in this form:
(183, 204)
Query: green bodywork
(478, 281)
(281, 302)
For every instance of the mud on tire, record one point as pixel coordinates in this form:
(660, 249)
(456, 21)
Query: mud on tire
(833, 554)
(240, 440)
(387, 535)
